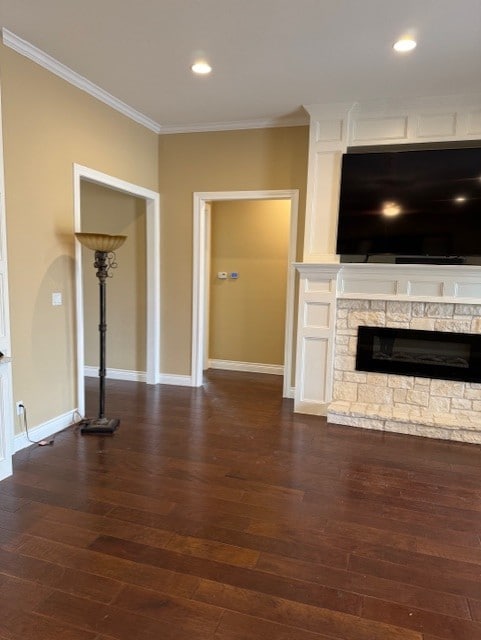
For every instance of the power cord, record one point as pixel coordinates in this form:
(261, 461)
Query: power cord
(40, 443)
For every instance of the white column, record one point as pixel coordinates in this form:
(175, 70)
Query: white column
(315, 337)
(329, 135)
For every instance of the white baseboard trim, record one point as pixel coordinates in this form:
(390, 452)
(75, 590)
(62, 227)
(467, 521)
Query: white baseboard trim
(117, 374)
(291, 393)
(250, 367)
(42, 431)
(175, 379)
(140, 376)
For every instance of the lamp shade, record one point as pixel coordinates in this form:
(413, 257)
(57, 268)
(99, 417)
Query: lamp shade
(100, 241)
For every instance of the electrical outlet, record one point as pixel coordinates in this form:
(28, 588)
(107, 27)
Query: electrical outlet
(19, 405)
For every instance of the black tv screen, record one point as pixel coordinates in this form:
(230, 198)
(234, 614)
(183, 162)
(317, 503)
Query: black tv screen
(411, 203)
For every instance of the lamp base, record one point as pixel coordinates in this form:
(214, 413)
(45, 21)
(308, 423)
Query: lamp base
(99, 425)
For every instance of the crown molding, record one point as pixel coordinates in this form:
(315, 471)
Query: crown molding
(46, 61)
(295, 121)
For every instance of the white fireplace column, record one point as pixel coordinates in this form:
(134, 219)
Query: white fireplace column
(329, 133)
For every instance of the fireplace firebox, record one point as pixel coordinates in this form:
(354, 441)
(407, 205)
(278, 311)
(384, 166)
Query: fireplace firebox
(416, 352)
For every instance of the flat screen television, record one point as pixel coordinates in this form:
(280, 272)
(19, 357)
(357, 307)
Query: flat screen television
(411, 204)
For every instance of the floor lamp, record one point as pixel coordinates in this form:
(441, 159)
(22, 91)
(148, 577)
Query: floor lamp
(104, 245)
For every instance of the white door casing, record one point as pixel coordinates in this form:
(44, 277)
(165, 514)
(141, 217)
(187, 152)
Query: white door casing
(201, 253)
(152, 201)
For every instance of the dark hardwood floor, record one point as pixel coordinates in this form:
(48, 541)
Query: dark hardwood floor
(217, 513)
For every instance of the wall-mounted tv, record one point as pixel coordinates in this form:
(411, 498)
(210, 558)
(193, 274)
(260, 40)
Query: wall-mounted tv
(411, 204)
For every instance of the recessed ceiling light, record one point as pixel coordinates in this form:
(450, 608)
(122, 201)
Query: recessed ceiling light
(201, 67)
(391, 208)
(460, 199)
(404, 44)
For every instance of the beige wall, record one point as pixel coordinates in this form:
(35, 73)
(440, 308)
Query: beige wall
(247, 315)
(108, 211)
(218, 161)
(48, 126)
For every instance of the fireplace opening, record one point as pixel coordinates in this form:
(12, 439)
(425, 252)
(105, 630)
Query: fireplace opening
(416, 352)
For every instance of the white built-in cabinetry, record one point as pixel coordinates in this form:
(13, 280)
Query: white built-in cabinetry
(6, 401)
(334, 128)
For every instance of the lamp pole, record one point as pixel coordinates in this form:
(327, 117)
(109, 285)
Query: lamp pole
(102, 273)
(103, 245)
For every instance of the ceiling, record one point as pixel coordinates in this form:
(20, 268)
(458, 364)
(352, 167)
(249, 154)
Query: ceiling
(269, 57)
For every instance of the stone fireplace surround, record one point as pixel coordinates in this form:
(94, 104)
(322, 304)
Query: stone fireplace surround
(335, 299)
(406, 404)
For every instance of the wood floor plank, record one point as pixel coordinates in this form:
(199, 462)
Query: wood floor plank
(94, 524)
(240, 532)
(362, 584)
(49, 574)
(168, 609)
(114, 621)
(107, 566)
(442, 626)
(418, 577)
(225, 573)
(238, 626)
(306, 617)
(219, 514)
(212, 550)
(27, 625)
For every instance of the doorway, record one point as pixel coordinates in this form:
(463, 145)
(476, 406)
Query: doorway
(152, 227)
(201, 269)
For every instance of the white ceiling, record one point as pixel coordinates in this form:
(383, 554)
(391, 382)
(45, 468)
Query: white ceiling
(270, 57)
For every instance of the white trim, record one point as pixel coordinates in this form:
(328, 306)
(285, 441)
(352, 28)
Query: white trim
(117, 374)
(54, 66)
(250, 367)
(44, 430)
(48, 62)
(198, 276)
(208, 244)
(301, 120)
(153, 270)
(140, 376)
(175, 379)
(6, 390)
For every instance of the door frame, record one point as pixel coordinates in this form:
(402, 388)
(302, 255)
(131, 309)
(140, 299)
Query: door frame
(152, 202)
(200, 269)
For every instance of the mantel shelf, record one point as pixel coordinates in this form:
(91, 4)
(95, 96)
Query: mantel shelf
(403, 282)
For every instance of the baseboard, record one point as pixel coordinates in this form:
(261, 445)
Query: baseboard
(175, 379)
(140, 376)
(117, 374)
(250, 367)
(42, 431)
(311, 407)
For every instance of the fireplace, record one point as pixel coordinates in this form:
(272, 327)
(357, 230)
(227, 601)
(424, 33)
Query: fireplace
(440, 306)
(421, 353)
